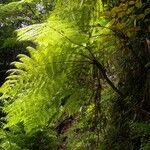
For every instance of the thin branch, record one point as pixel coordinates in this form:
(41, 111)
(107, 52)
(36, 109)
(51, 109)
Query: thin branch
(68, 38)
(103, 71)
(101, 35)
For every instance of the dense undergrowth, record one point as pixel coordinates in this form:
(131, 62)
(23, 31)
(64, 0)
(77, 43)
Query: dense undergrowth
(84, 81)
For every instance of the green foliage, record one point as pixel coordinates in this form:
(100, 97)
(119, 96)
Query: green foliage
(47, 69)
(76, 48)
(16, 139)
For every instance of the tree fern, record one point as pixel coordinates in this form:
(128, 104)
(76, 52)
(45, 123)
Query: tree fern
(35, 88)
(59, 76)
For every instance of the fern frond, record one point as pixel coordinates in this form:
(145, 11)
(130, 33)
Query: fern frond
(40, 81)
